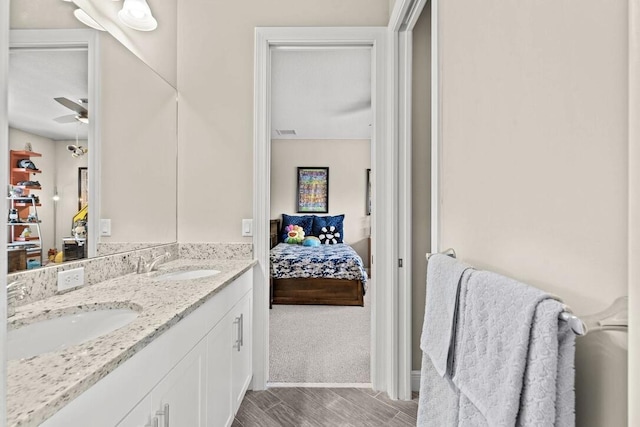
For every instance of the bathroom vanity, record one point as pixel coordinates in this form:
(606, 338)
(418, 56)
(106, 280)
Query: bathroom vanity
(185, 360)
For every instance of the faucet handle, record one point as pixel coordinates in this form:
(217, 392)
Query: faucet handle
(16, 291)
(142, 265)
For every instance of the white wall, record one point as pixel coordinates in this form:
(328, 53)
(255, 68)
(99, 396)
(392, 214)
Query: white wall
(138, 143)
(43, 14)
(534, 162)
(347, 160)
(156, 48)
(215, 81)
(421, 173)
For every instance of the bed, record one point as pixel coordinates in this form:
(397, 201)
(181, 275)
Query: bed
(328, 275)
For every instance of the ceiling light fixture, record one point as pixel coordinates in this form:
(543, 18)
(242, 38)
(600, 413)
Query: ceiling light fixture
(82, 16)
(136, 14)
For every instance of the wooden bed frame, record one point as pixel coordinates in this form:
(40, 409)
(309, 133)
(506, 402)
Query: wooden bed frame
(312, 290)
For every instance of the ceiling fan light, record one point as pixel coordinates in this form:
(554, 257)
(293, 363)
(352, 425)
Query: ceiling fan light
(82, 16)
(136, 14)
(83, 119)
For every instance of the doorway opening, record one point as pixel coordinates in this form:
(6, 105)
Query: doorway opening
(383, 249)
(321, 126)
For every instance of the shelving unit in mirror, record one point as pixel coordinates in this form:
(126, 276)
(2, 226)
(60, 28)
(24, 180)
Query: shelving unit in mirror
(24, 246)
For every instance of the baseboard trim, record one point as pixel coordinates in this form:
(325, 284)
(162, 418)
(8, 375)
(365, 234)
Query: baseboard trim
(320, 385)
(415, 380)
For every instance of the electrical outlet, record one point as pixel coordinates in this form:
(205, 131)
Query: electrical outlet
(70, 279)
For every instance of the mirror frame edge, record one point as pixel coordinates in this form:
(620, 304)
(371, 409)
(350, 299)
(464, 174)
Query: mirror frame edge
(61, 37)
(4, 180)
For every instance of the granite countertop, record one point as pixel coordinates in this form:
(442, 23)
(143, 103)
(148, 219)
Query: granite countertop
(39, 386)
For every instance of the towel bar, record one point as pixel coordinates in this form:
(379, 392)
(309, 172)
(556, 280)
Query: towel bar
(614, 318)
(451, 252)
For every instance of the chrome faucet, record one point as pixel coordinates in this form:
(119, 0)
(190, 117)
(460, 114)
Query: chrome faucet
(144, 267)
(16, 291)
(157, 260)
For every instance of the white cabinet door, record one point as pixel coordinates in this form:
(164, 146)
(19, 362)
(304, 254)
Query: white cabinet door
(242, 358)
(140, 416)
(178, 400)
(218, 403)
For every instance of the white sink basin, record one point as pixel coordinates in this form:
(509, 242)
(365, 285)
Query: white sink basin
(187, 275)
(58, 333)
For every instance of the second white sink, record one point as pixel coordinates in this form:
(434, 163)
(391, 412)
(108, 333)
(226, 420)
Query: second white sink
(58, 333)
(187, 275)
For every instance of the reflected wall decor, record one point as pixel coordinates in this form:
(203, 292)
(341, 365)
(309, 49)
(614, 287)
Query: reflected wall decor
(83, 187)
(313, 189)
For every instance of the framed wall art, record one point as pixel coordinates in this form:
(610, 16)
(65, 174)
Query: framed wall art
(313, 189)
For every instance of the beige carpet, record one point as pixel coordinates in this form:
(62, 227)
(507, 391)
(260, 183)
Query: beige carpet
(320, 344)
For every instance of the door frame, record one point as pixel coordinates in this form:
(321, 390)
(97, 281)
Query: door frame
(4, 181)
(403, 20)
(634, 213)
(384, 331)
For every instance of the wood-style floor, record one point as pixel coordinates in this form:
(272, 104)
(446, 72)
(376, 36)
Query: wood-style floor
(284, 407)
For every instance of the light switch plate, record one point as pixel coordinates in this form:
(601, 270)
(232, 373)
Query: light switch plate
(247, 227)
(105, 227)
(70, 279)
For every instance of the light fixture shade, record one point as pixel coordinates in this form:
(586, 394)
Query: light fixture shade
(82, 16)
(136, 14)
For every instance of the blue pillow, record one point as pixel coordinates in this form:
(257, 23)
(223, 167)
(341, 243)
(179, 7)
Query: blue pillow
(304, 221)
(311, 241)
(326, 222)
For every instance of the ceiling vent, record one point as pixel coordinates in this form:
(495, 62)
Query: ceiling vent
(282, 132)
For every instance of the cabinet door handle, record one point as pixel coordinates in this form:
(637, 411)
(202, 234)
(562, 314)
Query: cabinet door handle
(165, 414)
(238, 342)
(241, 330)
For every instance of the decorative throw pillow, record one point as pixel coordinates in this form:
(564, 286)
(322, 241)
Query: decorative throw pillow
(330, 235)
(328, 221)
(304, 221)
(295, 234)
(311, 241)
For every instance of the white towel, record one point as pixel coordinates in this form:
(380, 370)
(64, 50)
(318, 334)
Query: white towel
(513, 362)
(438, 331)
(507, 344)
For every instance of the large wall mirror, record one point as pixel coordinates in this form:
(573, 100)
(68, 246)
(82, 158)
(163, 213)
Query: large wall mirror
(93, 135)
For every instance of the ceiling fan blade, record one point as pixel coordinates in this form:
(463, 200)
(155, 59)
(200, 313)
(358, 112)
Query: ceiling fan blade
(71, 118)
(73, 106)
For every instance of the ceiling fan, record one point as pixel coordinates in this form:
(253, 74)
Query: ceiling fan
(82, 114)
(77, 150)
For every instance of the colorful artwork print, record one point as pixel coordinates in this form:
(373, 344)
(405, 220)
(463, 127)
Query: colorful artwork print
(313, 189)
